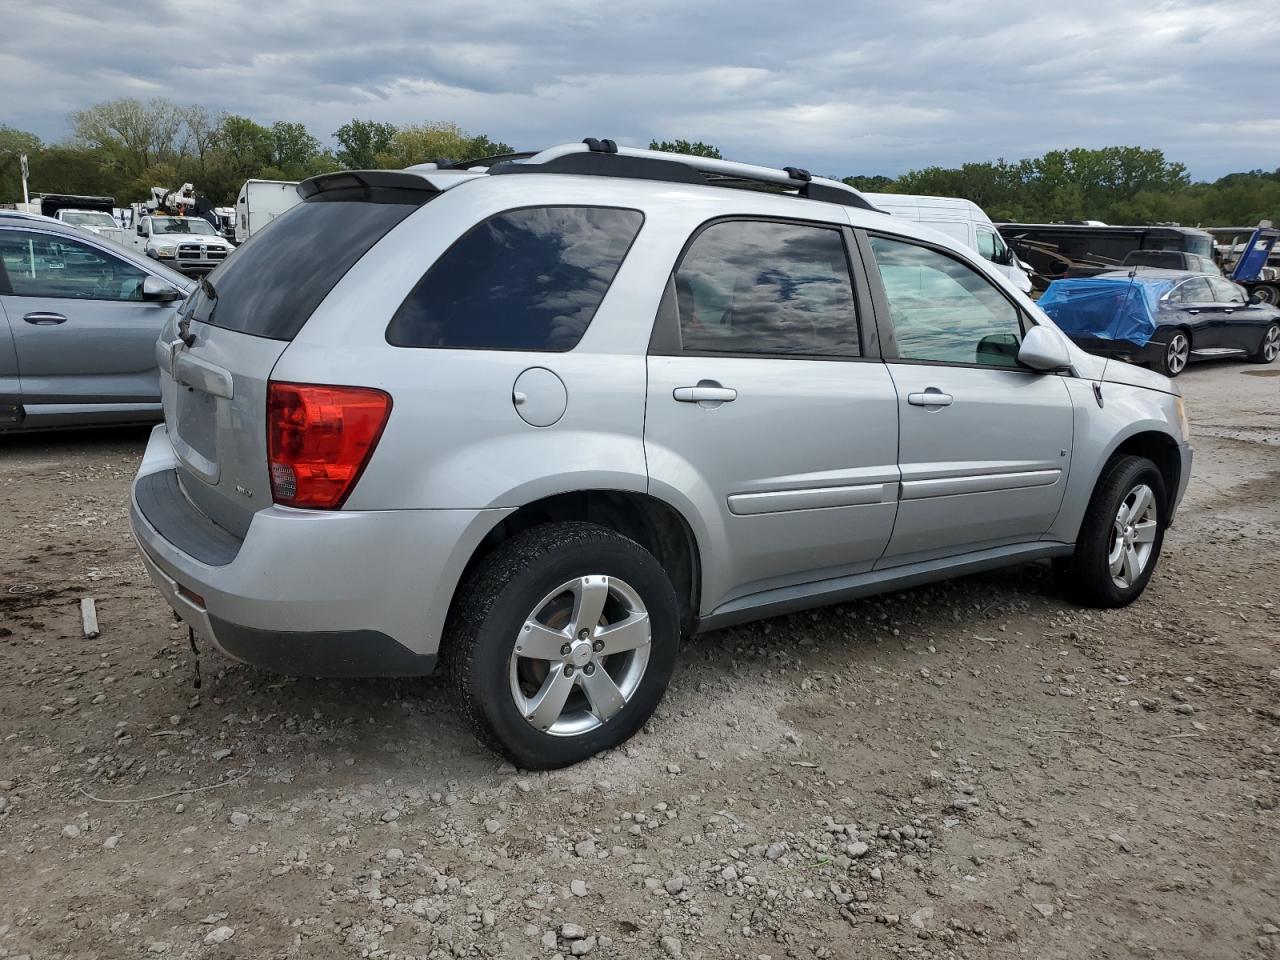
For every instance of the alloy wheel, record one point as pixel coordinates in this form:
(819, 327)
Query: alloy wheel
(1133, 536)
(1271, 345)
(1179, 350)
(580, 656)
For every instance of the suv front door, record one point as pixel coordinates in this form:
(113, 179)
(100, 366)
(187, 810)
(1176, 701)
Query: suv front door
(766, 419)
(984, 444)
(83, 335)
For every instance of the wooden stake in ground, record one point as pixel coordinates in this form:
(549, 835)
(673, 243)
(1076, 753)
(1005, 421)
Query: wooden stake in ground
(89, 614)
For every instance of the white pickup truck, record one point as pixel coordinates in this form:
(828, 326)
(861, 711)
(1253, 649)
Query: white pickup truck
(188, 244)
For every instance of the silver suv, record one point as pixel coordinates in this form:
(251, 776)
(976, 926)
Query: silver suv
(539, 420)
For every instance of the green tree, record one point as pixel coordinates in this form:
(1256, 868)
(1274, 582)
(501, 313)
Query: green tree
(876, 183)
(130, 134)
(13, 144)
(245, 146)
(695, 148)
(438, 140)
(294, 147)
(360, 142)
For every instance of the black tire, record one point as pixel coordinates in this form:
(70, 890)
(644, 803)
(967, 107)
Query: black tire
(1085, 576)
(1268, 346)
(492, 607)
(1168, 364)
(1268, 294)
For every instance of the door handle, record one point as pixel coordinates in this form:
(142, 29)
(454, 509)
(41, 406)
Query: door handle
(1229, 310)
(42, 318)
(708, 391)
(1194, 310)
(933, 397)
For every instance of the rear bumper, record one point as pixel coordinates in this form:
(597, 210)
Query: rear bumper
(307, 593)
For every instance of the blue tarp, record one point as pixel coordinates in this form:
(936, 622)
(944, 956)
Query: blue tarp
(1110, 308)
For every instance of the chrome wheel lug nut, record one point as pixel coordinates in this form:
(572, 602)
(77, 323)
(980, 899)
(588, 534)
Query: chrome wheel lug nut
(589, 669)
(568, 670)
(583, 634)
(564, 650)
(598, 646)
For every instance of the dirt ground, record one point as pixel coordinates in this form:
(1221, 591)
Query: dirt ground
(970, 770)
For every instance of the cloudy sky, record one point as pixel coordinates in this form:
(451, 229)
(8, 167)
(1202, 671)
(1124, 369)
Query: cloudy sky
(837, 87)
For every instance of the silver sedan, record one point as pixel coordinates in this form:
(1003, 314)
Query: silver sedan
(79, 318)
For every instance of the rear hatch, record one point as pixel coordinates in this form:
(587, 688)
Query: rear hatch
(215, 366)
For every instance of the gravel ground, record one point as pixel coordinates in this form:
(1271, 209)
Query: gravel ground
(969, 770)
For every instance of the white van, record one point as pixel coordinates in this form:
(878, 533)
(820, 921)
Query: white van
(260, 202)
(962, 220)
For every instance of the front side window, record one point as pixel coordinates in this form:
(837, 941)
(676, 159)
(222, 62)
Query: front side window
(754, 287)
(1224, 291)
(943, 310)
(528, 279)
(987, 245)
(45, 265)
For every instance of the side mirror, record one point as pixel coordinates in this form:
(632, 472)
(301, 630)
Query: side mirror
(157, 291)
(1043, 350)
(140, 230)
(1255, 298)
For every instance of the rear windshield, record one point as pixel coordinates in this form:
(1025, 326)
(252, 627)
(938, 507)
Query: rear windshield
(273, 283)
(528, 279)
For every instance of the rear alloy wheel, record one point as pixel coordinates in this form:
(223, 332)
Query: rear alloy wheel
(1120, 539)
(561, 643)
(1176, 354)
(1269, 349)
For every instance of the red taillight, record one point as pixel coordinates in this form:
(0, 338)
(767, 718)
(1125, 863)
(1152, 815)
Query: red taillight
(319, 439)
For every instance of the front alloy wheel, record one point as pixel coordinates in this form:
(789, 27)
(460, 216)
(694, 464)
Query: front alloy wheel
(1269, 349)
(1133, 535)
(1119, 541)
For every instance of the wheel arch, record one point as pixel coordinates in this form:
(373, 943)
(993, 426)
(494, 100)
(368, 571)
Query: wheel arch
(653, 523)
(1158, 447)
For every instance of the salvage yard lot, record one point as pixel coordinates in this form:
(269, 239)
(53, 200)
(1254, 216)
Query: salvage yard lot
(969, 770)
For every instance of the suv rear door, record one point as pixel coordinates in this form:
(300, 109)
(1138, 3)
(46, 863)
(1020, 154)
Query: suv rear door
(768, 410)
(985, 444)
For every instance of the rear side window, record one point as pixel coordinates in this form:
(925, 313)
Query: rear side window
(527, 279)
(275, 280)
(757, 287)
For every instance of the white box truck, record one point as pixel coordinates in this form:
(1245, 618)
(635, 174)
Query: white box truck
(260, 202)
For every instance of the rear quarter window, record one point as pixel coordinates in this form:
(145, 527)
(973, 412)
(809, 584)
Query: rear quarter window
(528, 279)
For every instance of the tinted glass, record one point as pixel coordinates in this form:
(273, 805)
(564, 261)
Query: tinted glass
(43, 265)
(271, 285)
(1192, 291)
(944, 310)
(987, 244)
(523, 280)
(769, 288)
(1224, 291)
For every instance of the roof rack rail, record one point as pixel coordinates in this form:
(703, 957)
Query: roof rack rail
(605, 158)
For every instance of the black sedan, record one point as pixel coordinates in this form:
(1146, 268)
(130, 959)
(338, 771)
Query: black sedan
(1164, 318)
